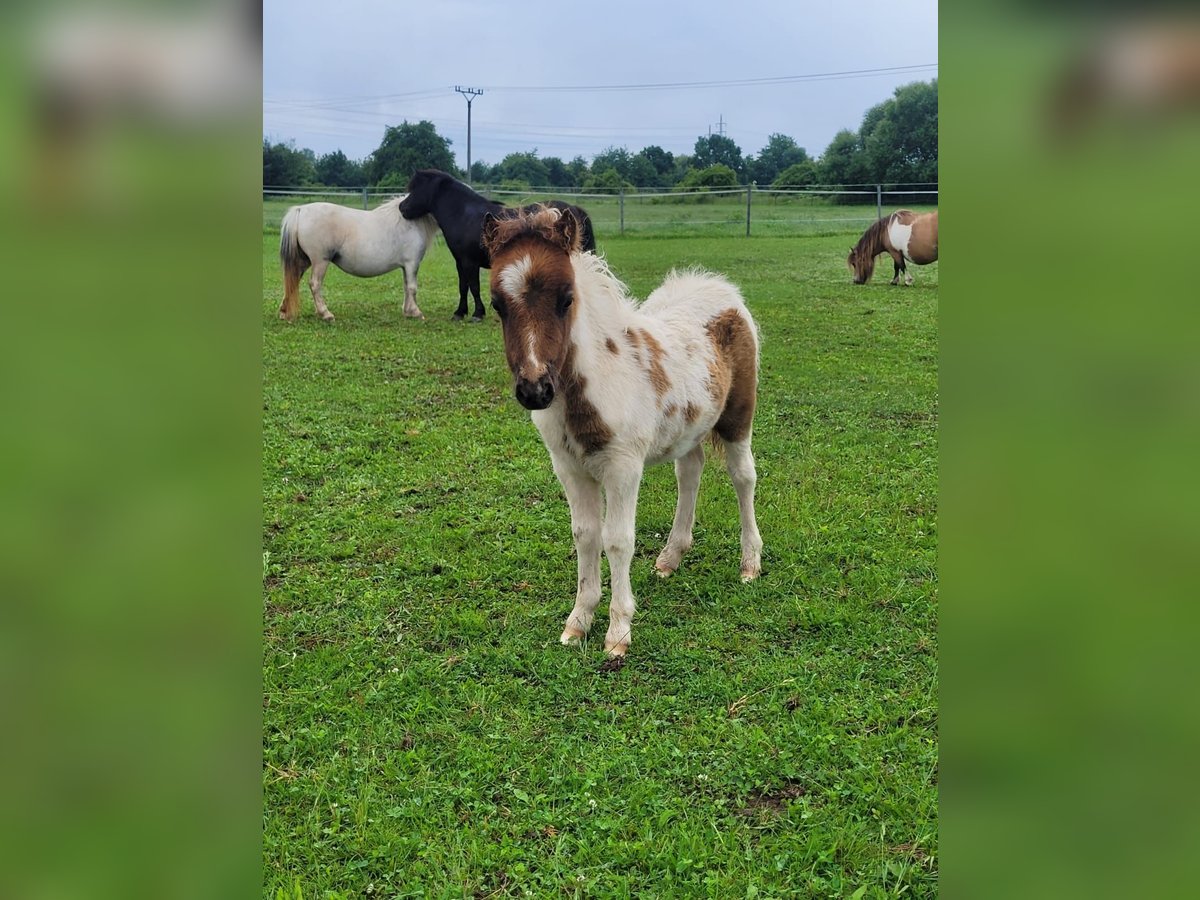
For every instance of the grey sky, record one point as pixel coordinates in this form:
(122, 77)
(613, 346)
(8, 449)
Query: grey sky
(334, 74)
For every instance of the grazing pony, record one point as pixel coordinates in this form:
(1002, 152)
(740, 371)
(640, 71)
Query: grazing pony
(905, 235)
(359, 242)
(459, 212)
(615, 386)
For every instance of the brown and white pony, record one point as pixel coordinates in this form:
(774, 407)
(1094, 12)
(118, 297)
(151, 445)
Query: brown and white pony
(359, 242)
(615, 386)
(905, 235)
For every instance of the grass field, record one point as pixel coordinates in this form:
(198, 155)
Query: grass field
(426, 735)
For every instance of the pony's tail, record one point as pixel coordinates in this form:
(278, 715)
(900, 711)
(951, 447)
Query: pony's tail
(294, 262)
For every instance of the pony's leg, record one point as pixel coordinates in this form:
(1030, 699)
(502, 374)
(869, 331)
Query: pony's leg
(583, 495)
(908, 279)
(898, 263)
(315, 280)
(687, 474)
(478, 317)
(464, 279)
(740, 463)
(410, 294)
(621, 493)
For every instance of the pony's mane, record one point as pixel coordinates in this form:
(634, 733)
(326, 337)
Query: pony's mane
(873, 236)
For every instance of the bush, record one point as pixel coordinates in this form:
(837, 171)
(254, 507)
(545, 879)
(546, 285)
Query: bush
(799, 175)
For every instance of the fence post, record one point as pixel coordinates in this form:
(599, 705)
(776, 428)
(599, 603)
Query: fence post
(364, 197)
(749, 189)
(879, 201)
(622, 202)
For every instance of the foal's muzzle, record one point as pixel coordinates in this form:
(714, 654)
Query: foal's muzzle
(535, 394)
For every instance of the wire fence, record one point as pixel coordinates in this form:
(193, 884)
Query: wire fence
(748, 210)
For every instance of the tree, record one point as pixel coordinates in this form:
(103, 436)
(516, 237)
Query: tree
(843, 162)
(408, 147)
(780, 152)
(524, 167)
(484, 173)
(900, 136)
(578, 169)
(285, 166)
(716, 149)
(335, 170)
(557, 174)
(663, 162)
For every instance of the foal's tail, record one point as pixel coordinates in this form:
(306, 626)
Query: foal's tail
(294, 262)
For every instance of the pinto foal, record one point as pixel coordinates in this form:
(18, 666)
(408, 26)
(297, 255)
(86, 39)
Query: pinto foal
(614, 387)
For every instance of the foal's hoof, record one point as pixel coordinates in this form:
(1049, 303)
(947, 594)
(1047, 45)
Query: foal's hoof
(571, 635)
(286, 317)
(328, 317)
(750, 572)
(457, 317)
(476, 319)
(617, 649)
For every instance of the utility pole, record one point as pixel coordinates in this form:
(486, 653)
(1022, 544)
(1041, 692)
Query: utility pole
(470, 94)
(721, 125)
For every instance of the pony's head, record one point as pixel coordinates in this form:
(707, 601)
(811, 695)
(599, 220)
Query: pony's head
(422, 189)
(533, 292)
(861, 263)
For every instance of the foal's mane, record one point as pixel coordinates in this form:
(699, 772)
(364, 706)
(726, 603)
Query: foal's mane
(541, 221)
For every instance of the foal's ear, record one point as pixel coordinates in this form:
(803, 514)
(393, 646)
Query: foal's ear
(488, 235)
(566, 231)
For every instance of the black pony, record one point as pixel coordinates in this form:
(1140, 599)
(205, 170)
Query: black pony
(459, 212)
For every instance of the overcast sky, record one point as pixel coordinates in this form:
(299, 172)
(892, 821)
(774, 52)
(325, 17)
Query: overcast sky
(334, 74)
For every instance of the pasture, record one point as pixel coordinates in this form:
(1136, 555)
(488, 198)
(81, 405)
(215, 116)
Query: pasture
(424, 732)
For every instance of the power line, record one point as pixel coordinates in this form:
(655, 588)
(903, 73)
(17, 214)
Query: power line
(743, 82)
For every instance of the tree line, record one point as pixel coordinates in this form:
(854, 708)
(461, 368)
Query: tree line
(896, 144)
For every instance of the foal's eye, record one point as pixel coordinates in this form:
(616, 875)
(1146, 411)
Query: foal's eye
(565, 297)
(498, 306)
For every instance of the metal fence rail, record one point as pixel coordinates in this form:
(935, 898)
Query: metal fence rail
(716, 211)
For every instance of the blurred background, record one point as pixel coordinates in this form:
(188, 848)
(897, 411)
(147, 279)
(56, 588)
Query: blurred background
(130, 135)
(129, 622)
(1070, 430)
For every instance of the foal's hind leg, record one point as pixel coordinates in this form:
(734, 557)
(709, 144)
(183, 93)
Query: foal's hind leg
(687, 474)
(315, 280)
(740, 463)
(898, 262)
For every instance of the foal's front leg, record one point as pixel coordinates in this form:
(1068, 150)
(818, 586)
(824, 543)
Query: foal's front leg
(621, 493)
(583, 495)
(687, 474)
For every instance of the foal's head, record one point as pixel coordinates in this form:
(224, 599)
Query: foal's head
(533, 289)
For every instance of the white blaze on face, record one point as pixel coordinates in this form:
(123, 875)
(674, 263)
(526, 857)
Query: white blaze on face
(513, 278)
(900, 235)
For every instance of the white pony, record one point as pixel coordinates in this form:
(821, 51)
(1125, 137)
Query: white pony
(615, 386)
(359, 242)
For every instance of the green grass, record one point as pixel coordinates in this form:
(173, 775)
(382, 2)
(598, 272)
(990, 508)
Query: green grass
(777, 215)
(426, 735)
